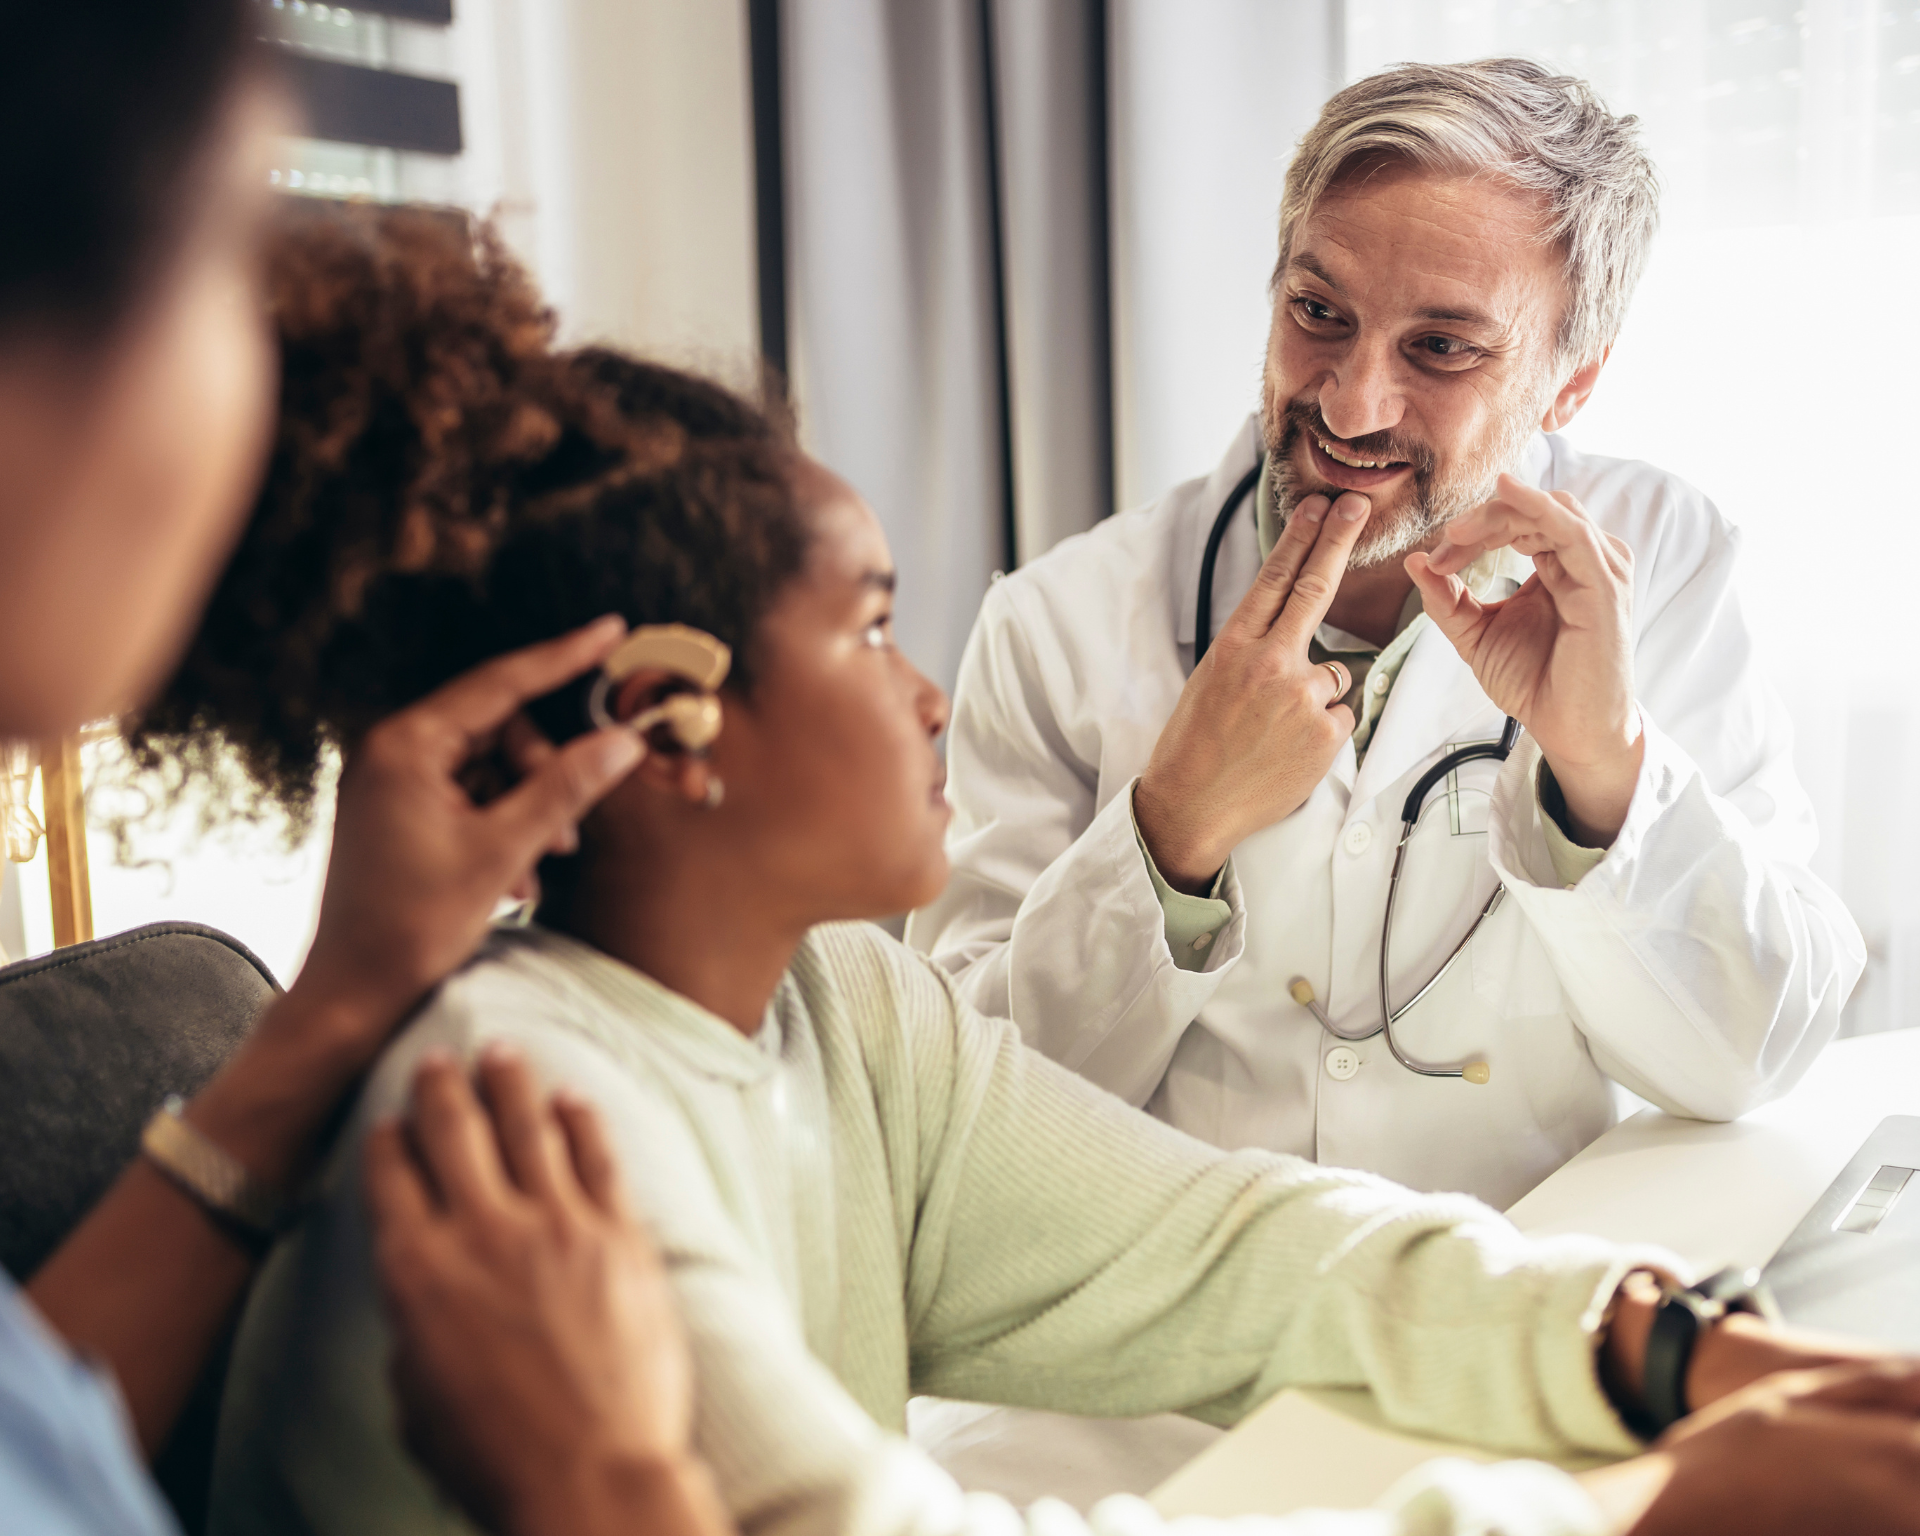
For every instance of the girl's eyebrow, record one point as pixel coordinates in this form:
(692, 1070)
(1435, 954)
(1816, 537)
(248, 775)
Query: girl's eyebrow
(883, 581)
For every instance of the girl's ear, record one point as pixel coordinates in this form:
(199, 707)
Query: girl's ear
(668, 766)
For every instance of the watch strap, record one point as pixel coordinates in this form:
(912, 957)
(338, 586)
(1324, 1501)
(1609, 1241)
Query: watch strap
(213, 1177)
(1678, 1322)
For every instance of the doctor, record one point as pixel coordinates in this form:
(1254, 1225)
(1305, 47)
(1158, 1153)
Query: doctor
(1182, 742)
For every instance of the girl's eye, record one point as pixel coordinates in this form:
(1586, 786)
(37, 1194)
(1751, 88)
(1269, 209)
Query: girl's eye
(878, 634)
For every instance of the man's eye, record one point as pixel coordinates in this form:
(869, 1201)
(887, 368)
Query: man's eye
(1447, 349)
(1313, 311)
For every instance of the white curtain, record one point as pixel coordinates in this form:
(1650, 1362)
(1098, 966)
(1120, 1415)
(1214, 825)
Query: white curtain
(1770, 358)
(944, 187)
(894, 347)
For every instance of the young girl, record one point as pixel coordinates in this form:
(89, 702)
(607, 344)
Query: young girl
(864, 1190)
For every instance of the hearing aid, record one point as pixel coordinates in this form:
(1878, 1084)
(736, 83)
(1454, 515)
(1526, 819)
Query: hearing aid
(692, 719)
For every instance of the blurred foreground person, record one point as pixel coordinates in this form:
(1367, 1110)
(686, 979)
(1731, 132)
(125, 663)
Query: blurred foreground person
(863, 1188)
(136, 397)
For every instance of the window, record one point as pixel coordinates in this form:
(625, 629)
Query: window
(1770, 359)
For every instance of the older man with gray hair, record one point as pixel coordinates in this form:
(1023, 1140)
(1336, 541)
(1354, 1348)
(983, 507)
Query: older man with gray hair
(1382, 795)
(1216, 844)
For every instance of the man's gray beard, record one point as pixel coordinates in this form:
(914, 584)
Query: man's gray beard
(1434, 505)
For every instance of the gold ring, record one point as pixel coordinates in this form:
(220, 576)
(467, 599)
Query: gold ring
(1342, 681)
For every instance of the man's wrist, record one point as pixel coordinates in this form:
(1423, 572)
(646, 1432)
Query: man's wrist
(1598, 792)
(1183, 864)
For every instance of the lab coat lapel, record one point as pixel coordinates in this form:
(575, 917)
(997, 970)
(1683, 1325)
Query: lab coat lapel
(1435, 700)
(1239, 558)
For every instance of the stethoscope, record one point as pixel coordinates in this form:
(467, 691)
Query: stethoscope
(1498, 751)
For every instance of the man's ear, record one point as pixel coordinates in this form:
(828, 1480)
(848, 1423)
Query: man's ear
(1573, 394)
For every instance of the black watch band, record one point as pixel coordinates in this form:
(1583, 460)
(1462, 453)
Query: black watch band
(1678, 1322)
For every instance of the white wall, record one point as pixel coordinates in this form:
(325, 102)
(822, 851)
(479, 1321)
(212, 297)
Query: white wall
(1768, 359)
(615, 139)
(1207, 98)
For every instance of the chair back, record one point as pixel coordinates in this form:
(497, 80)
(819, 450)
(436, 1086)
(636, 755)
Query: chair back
(92, 1040)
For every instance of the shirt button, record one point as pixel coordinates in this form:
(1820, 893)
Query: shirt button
(1381, 682)
(1358, 838)
(1342, 1062)
(1203, 941)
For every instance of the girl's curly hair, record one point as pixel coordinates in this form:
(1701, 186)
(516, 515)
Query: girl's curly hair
(445, 485)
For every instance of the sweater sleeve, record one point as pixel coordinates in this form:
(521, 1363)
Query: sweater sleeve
(1072, 1254)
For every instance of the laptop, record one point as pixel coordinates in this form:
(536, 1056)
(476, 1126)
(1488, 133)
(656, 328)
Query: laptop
(1853, 1266)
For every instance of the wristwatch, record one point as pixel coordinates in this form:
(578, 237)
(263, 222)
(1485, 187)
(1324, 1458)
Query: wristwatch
(1678, 1321)
(253, 1213)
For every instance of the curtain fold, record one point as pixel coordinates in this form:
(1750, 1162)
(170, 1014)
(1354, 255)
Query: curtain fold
(1049, 79)
(893, 342)
(1026, 252)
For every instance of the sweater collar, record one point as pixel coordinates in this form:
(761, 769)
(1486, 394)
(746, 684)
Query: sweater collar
(619, 999)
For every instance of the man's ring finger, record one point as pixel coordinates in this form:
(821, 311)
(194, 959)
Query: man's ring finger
(1342, 680)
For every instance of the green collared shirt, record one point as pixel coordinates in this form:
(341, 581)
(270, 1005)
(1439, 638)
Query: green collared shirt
(1193, 923)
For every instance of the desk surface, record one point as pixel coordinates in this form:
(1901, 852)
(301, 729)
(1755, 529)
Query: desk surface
(1714, 1194)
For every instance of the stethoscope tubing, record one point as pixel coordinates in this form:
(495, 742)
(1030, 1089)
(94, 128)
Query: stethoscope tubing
(1410, 815)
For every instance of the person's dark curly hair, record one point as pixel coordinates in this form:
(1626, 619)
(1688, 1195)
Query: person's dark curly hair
(445, 486)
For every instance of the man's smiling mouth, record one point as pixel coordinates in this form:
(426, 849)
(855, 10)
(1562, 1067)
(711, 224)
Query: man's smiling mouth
(1350, 461)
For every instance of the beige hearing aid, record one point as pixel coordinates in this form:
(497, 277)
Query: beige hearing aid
(692, 718)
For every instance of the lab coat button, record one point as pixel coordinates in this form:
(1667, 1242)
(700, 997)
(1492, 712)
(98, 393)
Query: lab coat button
(1342, 1062)
(1359, 838)
(1203, 941)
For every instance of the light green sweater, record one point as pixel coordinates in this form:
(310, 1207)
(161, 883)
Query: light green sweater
(883, 1193)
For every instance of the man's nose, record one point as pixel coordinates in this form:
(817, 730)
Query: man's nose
(1360, 395)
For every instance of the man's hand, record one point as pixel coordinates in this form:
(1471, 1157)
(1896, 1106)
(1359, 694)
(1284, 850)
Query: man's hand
(417, 867)
(540, 1368)
(1829, 1450)
(1558, 654)
(1253, 734)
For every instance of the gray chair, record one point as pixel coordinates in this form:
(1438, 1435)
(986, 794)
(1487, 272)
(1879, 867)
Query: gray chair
(92, 1039)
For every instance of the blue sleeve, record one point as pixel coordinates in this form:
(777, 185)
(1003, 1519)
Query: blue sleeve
(68, 1462)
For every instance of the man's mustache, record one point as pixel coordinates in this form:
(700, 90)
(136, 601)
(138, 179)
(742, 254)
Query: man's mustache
(1382, 447)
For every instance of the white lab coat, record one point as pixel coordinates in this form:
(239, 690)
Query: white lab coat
(1701, 963)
